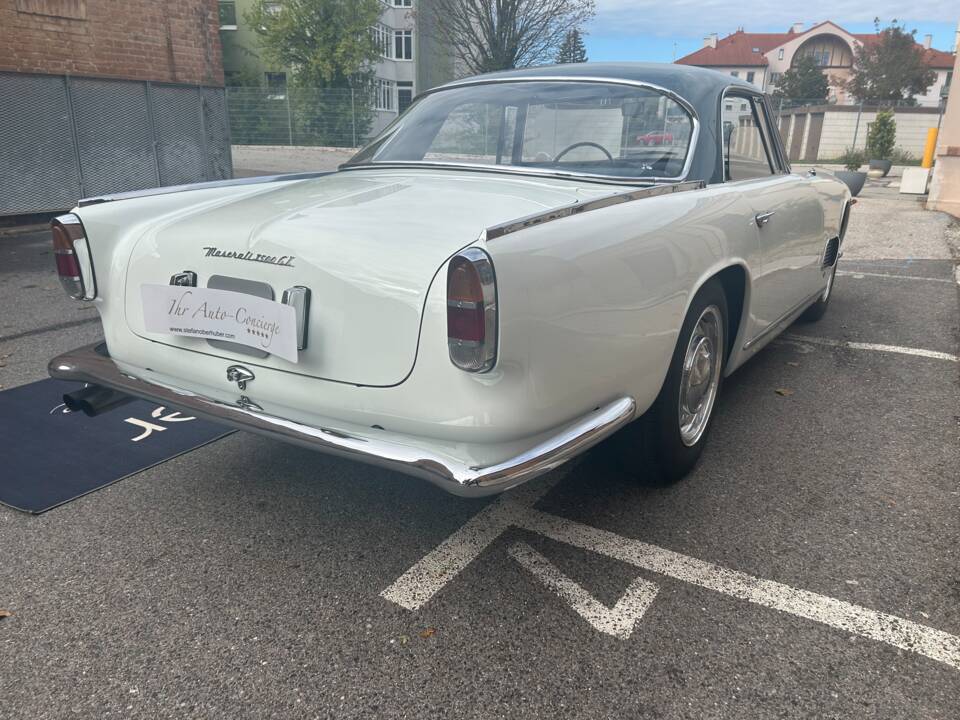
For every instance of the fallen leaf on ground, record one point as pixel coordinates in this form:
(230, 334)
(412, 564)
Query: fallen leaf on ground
(791, 363)
(429, 632)
(5, 613)
(784, 392)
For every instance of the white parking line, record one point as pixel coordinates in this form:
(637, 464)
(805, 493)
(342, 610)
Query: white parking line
(856, 275)
(618, 621)
(427, 577)
(890, 629)
(438, 567)
(917, 352)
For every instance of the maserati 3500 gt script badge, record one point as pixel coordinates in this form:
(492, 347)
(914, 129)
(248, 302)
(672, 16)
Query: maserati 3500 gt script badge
(282, 260)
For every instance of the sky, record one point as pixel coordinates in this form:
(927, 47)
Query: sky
(662, 30)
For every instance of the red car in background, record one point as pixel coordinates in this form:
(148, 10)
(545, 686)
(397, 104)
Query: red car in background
(655, 138)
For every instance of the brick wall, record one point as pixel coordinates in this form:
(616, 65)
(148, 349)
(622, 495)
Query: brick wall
(159, 40)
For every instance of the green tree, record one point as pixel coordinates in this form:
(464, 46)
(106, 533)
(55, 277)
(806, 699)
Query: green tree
(891, 68)
(882, 136)
(572, 50)
(329, 47)
(490, 35)
(804, 81)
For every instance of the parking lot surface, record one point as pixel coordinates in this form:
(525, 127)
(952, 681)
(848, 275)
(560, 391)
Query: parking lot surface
(806, 568)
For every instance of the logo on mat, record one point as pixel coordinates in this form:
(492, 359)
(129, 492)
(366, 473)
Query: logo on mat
(281, 260)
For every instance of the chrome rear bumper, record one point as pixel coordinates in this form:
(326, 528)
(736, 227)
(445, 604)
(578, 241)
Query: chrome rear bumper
(92, 364)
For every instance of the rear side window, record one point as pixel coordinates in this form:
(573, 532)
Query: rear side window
(746, 154)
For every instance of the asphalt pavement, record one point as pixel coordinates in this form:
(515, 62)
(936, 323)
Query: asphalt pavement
(807, 567)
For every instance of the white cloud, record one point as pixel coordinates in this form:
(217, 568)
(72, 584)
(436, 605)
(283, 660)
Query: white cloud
(689, 18)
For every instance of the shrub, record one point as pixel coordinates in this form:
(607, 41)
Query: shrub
(899, 156)
(882, 136)
(852, 159)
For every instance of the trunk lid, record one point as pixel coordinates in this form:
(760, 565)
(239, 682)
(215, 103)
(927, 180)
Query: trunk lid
(367, 244)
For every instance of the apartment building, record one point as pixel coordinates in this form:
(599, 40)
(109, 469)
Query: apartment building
(760, 58)
(412, 59)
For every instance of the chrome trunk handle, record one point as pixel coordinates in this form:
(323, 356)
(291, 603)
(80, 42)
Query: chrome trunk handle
(763, 218)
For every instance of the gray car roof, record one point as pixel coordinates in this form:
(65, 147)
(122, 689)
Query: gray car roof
(700, 87)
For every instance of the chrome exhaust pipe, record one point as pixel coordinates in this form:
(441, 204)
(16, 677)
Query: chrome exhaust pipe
(94, 400)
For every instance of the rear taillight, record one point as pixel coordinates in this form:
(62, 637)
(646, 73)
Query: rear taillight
(73, 257)
(472, 311)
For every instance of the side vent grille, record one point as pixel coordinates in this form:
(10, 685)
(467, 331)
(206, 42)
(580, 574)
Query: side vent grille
(830, 252)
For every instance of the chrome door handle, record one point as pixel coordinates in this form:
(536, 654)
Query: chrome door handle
(763, 218)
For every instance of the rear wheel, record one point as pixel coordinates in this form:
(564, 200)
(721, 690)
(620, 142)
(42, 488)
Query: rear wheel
(667, 441)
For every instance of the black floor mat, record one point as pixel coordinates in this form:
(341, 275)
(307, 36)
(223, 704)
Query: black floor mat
(49, 456)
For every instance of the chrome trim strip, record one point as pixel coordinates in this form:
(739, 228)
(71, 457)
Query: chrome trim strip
(576, 208)
(687, 162)
(256, 180)
(506, 170)
(92, 364)
(795, 310)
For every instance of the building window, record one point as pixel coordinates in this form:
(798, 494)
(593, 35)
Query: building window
(383, 92)
(403, 44)
(272, 8)
(404, 95)
(402, 3)
(276, 85)
(735, 73)
(820, 57)
(780, 54)
(774, 76)
(228, 15)
(381, 39)
(750, 76)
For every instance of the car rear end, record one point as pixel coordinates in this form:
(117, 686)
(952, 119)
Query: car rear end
(398, 359)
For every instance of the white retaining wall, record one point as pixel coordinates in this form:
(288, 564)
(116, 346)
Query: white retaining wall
(840, 126)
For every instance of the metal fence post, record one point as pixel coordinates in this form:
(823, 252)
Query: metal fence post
(286, 94)
(74, 139)
(151, 123)
(203, 134)
(856, 128)
(353, 117)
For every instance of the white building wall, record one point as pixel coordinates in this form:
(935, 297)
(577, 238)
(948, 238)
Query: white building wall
(759, 73)
(932, 96)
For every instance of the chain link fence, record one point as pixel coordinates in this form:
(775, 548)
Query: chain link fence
(814, 131)
(66, 138)
(332, 117)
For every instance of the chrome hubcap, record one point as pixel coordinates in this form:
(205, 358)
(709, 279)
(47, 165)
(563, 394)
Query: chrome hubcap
(701, 375)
